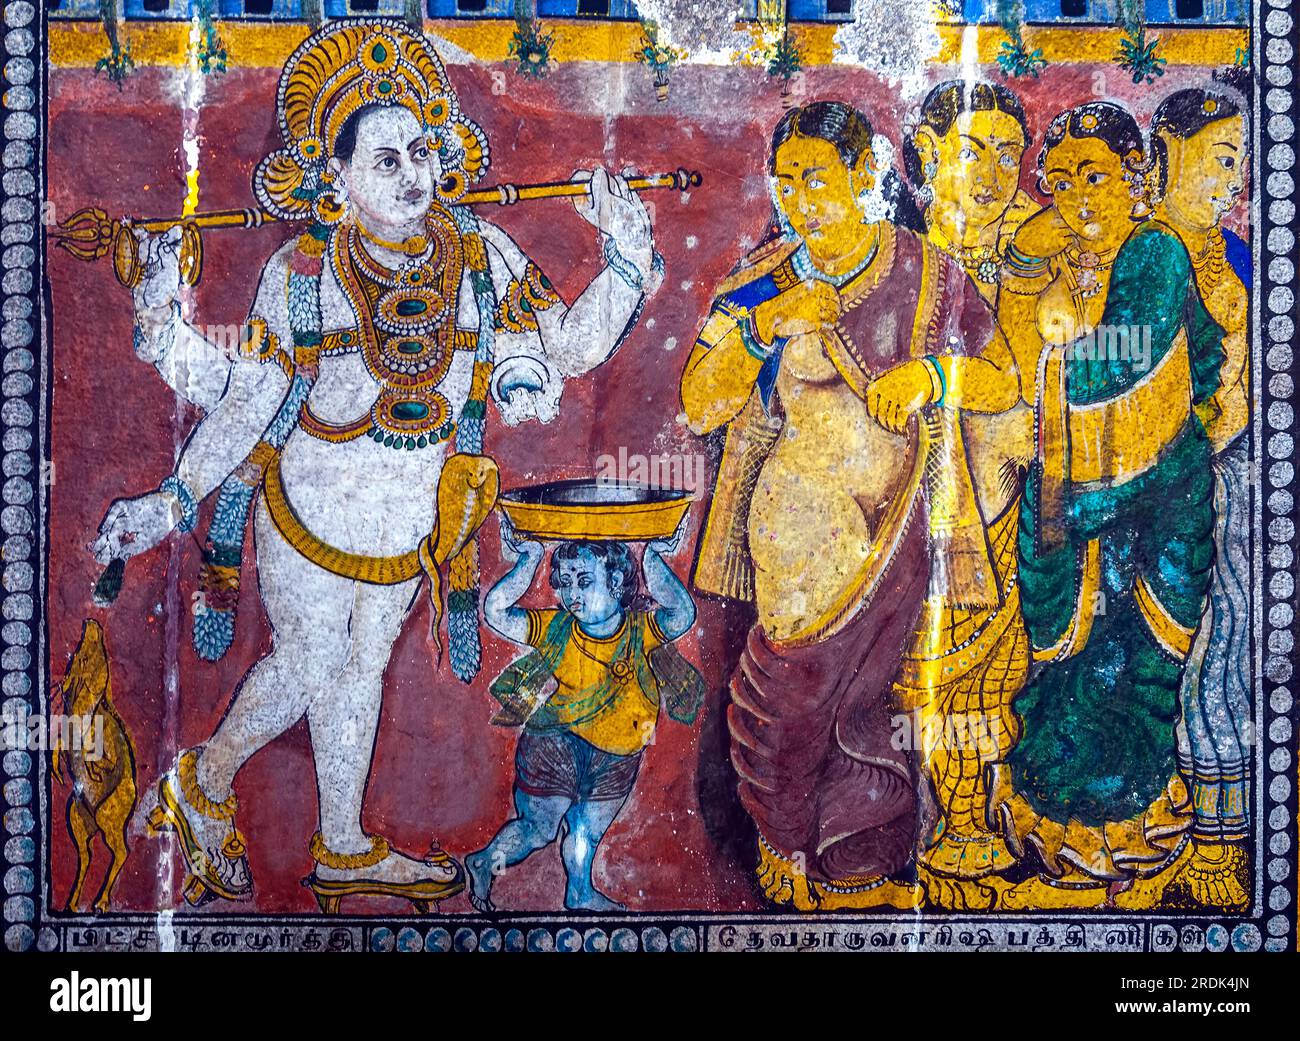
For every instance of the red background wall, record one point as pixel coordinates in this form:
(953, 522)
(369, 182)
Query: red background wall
(440, 769)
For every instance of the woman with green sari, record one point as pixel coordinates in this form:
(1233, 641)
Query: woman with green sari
(1116, 522)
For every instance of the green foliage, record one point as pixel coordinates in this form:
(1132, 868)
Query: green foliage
(657, 56)
(211, 54)
(1138, 56)
(117, 64)
(1014, 58)
(530, 45)
(786, 58)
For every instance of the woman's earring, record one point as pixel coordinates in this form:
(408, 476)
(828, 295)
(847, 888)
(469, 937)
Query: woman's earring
(926, 192)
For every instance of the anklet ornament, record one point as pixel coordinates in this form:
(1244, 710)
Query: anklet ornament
(217, 811)
(320, 853)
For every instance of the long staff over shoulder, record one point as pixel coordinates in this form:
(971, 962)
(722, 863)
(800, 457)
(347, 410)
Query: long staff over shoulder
(90, 233)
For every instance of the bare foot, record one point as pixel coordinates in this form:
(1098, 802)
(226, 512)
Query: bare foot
(1040, 894)
(479, 870)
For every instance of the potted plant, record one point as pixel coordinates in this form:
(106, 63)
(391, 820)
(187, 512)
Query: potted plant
(530, 45)
(785, 60)
(657, 56)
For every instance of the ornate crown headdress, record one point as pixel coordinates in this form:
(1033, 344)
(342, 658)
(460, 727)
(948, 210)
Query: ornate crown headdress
(331, 75)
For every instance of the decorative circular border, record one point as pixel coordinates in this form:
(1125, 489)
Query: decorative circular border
(1275, 221)
(24, 488)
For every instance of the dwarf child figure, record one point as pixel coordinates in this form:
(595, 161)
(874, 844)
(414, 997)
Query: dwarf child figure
(605, 661)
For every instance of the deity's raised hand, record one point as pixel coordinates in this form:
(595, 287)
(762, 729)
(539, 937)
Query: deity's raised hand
(161, 279)
(158, 288)
(616, 210)
(133, 526)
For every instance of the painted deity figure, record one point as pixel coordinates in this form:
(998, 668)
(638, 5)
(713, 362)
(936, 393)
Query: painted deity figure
(377, 341)
(820, 512)
(1199, 139)
(1116, 521)
(587, 697)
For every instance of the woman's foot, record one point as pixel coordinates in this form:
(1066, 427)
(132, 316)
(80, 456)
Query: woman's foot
(1041, 893)
(953, 893)
(1213, 876)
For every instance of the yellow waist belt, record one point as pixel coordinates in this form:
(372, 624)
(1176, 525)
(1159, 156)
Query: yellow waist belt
(1121, 437)
(467, 492)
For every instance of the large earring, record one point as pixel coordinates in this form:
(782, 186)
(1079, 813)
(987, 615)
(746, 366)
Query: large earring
(926, 192)
(330, 207)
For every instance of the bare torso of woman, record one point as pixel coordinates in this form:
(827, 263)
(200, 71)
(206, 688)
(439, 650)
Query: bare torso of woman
(819, 495)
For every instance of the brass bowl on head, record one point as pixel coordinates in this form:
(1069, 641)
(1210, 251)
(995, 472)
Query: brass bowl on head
(595, 510)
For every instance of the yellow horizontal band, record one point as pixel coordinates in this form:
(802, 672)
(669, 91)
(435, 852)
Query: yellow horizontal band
(79, 44)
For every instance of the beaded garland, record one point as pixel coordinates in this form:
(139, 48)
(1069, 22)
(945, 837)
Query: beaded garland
(407, 328)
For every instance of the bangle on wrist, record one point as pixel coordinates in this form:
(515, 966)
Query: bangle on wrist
(938, 382)
(189, 505)
(628, 271)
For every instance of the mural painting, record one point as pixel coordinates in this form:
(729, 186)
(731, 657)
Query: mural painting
(648, 476)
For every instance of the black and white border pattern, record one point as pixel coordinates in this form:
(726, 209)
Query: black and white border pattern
(27, 919)
(21, 494)
(1275, 309)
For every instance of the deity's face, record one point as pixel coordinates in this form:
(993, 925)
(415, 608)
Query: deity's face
(392, 171)
(976, 166)
(587, 589)
(1206, 173)
(1086, 180)
(819, 195)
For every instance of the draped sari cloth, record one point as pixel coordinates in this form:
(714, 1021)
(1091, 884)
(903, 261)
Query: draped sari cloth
(812, 739)
(826, 766)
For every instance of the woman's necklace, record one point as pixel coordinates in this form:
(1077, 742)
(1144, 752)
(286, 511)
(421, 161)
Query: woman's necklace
(1211, 260)
(982, 262)
(1088, 266)
(806, 269)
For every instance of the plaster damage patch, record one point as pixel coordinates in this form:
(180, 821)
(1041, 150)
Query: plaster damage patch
(705, 30)
(896, 38)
